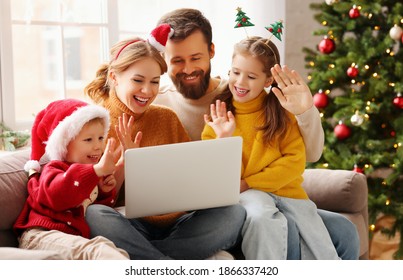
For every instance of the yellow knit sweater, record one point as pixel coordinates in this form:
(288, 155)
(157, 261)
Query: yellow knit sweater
(159, 126)
(276, 168)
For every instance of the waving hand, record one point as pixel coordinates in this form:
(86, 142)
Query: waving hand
(222, 122)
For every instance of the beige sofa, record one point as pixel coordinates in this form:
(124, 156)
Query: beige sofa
(335, 190)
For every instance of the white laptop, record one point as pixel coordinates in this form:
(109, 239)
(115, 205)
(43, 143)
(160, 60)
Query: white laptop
(182, 177)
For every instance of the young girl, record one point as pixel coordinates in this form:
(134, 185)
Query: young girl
(80, 172)
(127, 86)
(273, 157)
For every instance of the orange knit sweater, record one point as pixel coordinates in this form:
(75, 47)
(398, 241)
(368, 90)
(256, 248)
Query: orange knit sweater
(159, 125)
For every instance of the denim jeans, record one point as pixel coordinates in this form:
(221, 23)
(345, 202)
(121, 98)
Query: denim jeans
(342, 231)
(196, 235)
(265, 231)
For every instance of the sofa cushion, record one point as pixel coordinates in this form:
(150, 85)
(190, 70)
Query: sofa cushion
(336, 190)
(13, 191)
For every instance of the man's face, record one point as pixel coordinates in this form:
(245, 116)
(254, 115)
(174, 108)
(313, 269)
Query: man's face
(189, 65)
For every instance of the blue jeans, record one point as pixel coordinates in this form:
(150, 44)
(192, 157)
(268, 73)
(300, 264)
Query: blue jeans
(343, 233)
(265, 231)
(196, 235)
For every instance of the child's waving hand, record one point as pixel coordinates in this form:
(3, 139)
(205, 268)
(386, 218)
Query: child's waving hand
(222, 122)
(294, 94)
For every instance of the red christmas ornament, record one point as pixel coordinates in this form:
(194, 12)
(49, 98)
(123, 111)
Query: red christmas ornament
(342, 131)
(398, 101)
(320, 99)
(326, 46)
(352, 72)
(358, 169)
(354, 12)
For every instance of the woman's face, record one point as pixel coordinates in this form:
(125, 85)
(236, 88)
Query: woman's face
(247, 79)
(138, 85)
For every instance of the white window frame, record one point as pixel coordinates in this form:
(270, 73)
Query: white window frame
(7, 99)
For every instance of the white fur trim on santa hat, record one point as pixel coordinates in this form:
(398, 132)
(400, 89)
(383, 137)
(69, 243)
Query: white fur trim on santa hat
(32, 165)
(70, 127)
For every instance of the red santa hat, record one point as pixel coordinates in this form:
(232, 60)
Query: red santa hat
(59, 123)
(160, 35)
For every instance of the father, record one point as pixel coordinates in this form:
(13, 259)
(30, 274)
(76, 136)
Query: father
(188, 53)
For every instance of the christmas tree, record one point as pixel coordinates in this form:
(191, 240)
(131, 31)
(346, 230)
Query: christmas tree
(276, 29)
(242, 19)
(356, 76)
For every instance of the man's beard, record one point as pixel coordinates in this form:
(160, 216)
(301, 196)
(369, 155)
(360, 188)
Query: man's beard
(194, 91)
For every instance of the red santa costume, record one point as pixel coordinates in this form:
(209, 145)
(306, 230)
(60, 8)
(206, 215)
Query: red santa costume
(53, 216)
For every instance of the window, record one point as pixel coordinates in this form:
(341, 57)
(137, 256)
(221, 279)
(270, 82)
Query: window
(50, 49)
(53, 50)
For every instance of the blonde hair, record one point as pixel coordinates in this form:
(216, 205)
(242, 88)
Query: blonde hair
(122, 55)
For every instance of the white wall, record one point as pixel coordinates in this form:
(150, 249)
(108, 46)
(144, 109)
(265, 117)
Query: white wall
(262, 13)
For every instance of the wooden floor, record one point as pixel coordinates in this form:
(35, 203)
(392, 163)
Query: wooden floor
(383, 247)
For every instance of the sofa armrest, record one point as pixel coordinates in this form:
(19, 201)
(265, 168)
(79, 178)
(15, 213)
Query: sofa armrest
(13, 192)
(13, 189)
(336, 190)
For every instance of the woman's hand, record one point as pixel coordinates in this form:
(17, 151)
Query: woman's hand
(124, 132)
(222, 122)
(294, 94)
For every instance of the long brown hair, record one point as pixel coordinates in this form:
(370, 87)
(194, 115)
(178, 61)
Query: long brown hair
(275, 118)
(122, 55)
